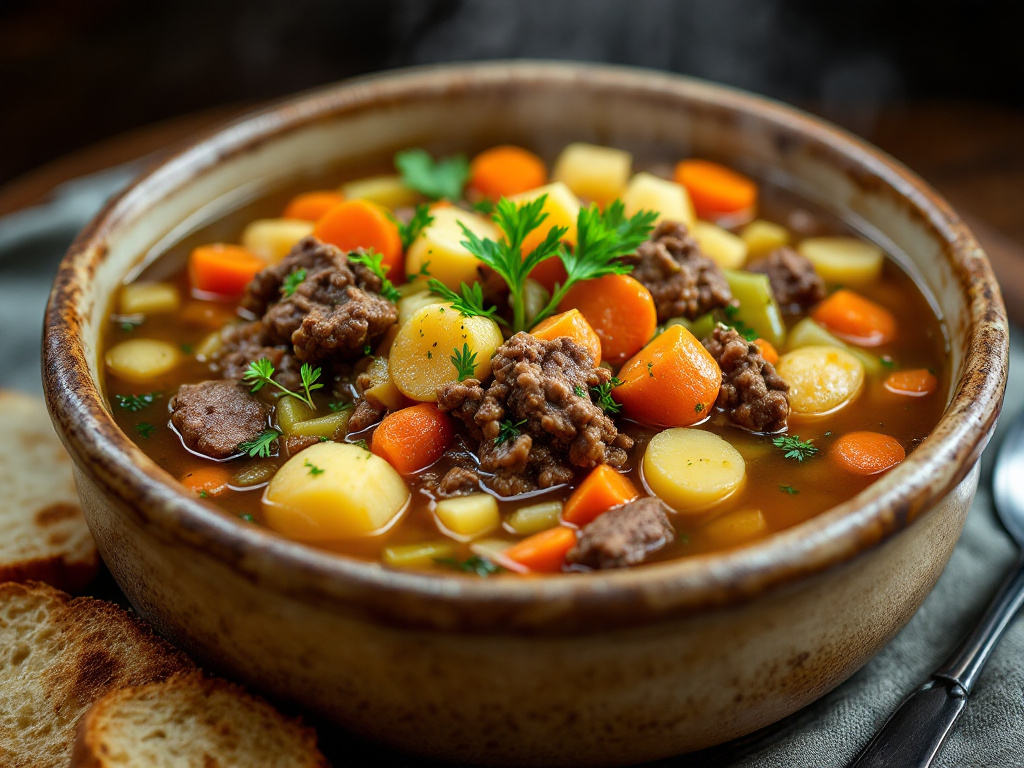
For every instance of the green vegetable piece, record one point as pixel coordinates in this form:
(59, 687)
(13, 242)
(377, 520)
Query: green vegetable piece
(700, 327)
(254, 474)
(330, 426)
(758, 308)
(290, 411)
(808, 333)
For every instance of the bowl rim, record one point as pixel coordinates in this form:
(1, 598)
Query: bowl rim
(551, 604)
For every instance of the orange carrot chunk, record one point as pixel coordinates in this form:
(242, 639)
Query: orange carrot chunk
(573, 325)
(916, 382)
(867, 453)
(222, 270)
(209, 480)
(310, 206)
(855, 319)
(619, 309)
(768, 351)
(602, 489)
(413, 438)
(362, 224)
(672, 382)
(505, 171)
(714, 189)
(543, 552)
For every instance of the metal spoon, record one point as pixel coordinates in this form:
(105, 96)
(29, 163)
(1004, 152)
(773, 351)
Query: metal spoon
(914, 733)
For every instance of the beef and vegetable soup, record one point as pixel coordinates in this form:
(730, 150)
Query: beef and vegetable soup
(483, 366)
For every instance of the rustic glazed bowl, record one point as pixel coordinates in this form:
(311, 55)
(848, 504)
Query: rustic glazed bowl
(602, 669)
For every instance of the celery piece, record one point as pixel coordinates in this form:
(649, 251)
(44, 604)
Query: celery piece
(422, 555)
(254, 474)
(808, 333)
(534, 518)
(758, 308)
(290, 411)
(330, 426)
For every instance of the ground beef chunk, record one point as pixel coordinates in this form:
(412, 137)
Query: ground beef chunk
(367, 413)
(214, 417)
(623, 536)
(541, 394)
(752, 393)
(245, 343)
(458, 481)
(682, 280)
(297, 443)
(334, 312)
(794, 282)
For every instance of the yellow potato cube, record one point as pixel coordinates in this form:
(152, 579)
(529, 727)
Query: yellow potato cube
(846, 261)
(720, 245)
(646, 191)
(562, 207)
(592, 172)
(423, 555)
(272, 239)
(467, 517)
(736, 528)
(381, 388)
(148, 299)
(692, 470)
(534, 518)
(821, 379)
(762, 237)
(141, 360)
(440, 247)
(334, 491)
(389, 191)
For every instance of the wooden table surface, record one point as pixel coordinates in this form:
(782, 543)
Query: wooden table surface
(971, 153)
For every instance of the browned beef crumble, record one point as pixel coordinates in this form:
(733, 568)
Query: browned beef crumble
(792, 277)
(368, 411)
(461, 477)
(297, 443)
(244, 344)
(543, 387)
(335, 312)
(682, 280)
(752, 392)
(215, 417)
(623, 536)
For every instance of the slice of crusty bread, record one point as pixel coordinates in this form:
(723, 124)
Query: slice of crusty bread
(191, 721)
(44, 533)
(58, 656)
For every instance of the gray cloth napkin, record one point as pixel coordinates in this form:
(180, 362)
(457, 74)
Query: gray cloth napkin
(827, 734)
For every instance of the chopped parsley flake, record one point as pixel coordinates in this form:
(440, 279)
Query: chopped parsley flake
(788, 489)
(145, 429)
(507, 430)
(314, 470)
(292, 282)
(795, 448)
(135, 403)
(261, 444)
(480, 566)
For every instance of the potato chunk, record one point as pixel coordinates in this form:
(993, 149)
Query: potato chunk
(734, 528)
(691, 470)
(141, 360)
(592, 172)
(721, 246)
(440, 246)
(848, 261)
(821, 379)
(646, 191)
(420, 359)
(148, 299)
(334, 491)
(467, 517)
(762, 237)
(562, 207)
(272, 239)
(389, 191)
(413, 303)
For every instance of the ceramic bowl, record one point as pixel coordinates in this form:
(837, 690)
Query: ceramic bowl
(603, 669)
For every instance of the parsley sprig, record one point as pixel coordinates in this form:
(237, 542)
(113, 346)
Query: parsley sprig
(795, 448)
(375, 263)
(603, 395)
(464, 362)
(468, 303)
(480, 566)
(261, 445)
(441, 179)
(136, 403)
(420, 220)
(260, 373)
(508, 430)
(291, 283)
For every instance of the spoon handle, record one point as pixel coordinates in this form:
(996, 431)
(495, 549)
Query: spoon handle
(914, 733)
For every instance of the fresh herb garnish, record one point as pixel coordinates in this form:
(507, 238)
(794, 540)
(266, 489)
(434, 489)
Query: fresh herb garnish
(484, 205)
(464, 362)
(507, 430)
(144, 428)
(260, 373)
(481, 566)
(361, 442)
(261, 444)
(186, 348)
(247, 517)
(135, 403)
(367, 350)
(203, 494)
(294, 279)
(337, 406)
(420, 220)
(603, 393)
(470, 303)
(788, 489)
(374, 262)
(130, 323)
(424, 271)
(439, 180)
(731, 311)
(795, 448)
(579, 391)
(698, 408)
(314, 470)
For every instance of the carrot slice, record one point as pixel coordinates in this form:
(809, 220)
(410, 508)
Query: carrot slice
(855, 319)
(916, 382)
(619, 309)
(714, 189)
(768, 351)
(545, 551)
(211, 480)
(601, 490)
(672, 382)
(506, 170)
(413, 438)
(223, 270)
(310, 206)
(867, 453)
(362, 224)
(573, 325)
